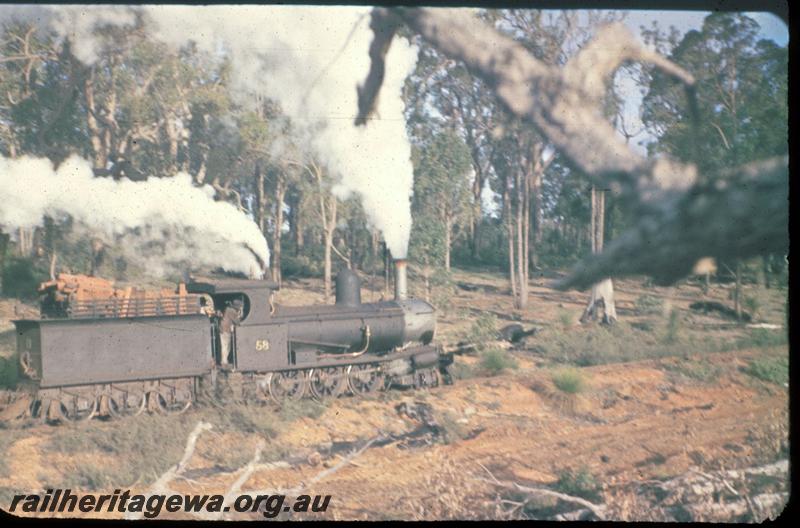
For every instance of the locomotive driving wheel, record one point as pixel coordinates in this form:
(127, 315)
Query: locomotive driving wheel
(363, 379)
(327, 382)
(288, 385)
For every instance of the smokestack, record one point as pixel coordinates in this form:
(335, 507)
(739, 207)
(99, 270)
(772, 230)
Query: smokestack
(400, 279)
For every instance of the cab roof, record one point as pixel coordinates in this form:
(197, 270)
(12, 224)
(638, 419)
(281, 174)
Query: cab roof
(215, 286)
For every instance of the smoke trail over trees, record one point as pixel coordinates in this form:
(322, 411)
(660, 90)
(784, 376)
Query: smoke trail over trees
(309, 60)
(166, 223)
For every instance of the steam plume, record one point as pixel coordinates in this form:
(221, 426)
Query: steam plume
(310, 60)
(167, 222)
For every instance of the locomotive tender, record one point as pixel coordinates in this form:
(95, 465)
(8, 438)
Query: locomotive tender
(124, 357)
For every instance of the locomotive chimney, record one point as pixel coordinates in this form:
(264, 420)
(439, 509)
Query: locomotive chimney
(400, 279)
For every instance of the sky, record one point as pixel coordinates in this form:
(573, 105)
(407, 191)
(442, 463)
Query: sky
(772, 27)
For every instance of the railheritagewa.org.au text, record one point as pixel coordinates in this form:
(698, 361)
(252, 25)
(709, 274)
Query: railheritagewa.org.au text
(150, 506)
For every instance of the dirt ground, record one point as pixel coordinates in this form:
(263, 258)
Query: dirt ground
(440, 453)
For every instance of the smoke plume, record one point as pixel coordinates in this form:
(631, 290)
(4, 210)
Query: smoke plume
(310, 60)
(166, 223)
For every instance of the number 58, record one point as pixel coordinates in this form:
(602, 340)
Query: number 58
(262, 344)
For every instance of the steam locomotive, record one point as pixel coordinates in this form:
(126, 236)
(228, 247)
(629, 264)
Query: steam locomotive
(122, 356)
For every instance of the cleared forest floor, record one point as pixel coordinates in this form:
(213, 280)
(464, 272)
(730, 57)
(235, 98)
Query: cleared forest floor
(607, 415)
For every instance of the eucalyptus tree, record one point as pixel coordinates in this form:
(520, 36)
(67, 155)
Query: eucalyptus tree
(741, 88)
(442, 186)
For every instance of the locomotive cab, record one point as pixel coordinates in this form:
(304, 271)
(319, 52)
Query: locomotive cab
(252, 299)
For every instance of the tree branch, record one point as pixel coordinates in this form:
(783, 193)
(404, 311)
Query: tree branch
(680, 218)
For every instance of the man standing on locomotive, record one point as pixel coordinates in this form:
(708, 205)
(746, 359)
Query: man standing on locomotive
(231, 316)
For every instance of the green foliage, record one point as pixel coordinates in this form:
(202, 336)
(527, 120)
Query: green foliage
(742, 90)
(696, 369)
(647, 304)
(771, 369)
(495, 361)
(483, 330)
(460, 370)
(248, 419)
(579, 483)
(566, 318)
(754, 303)
(9, 371)
(144, 446)
(21, 278)
(483, 334)
(305, 408)
(763, 338)
(441, 196)
(568, 380)
(672, 328)
(300, 266)
(601, 344)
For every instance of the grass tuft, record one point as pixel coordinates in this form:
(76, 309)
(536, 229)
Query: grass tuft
(495, 361)
(580, 483)
(568, 380)
(770, 369)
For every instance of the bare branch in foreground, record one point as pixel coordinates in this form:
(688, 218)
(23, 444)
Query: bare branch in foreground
(740, 214)
(322, 474)
(597, 509)
(161, 485)
(245, 474)
(681, 218)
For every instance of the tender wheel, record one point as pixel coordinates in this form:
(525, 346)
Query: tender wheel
(289, 385)
(166, 402)
(38, 409)
(363, 379)
(328, 382)
(77, 408)
(124, 404)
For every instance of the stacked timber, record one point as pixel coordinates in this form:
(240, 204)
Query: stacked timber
(82, 296)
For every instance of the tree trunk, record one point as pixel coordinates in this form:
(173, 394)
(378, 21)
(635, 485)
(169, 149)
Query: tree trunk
(21, 242)
(522, 258)
(536, 221)
(327, 278)
(98, 252)
(507, 214)
(299, 228)
(53, 259)
(602, 295)
(171, 131)
(280, 192)
(374, 246)
(330, 227)
(737, 291)
(261, 199)
(99, 148)
(448, 225)
(477, 213)
(4, 239)
(386, 272)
